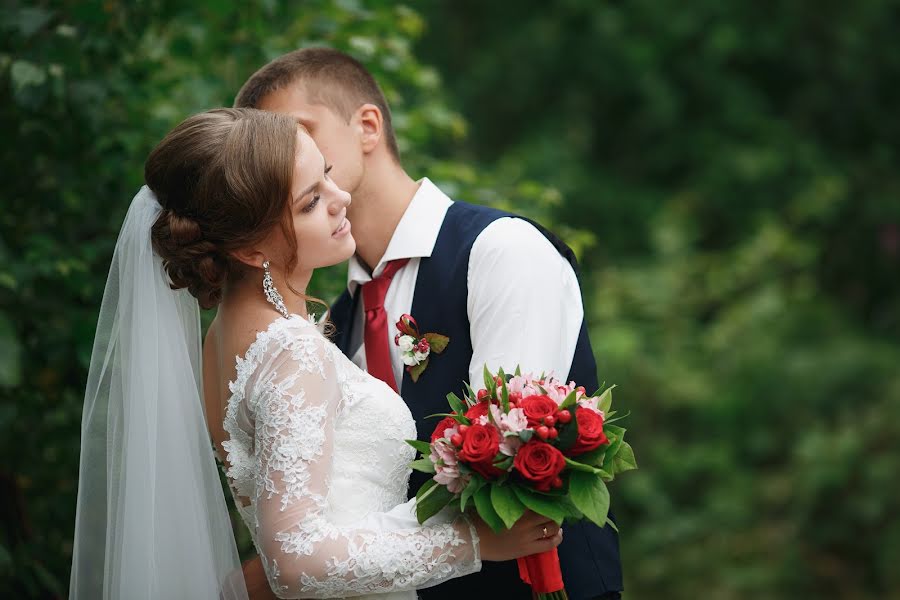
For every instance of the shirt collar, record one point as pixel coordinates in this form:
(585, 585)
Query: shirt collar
(415, 235)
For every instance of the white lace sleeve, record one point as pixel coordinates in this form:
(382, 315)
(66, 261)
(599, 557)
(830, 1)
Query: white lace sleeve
(295, 401)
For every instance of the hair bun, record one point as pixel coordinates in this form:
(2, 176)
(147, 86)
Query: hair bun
(190, 261)
(184, 230)
(223, 178)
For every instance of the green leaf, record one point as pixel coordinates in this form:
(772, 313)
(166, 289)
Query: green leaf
(455, 403)
(550, 507)
(470, 394)
(604, 403)
(611, 524)
(474, 485)
(423, 447)
(616, 436)
(568, 433)
(431, 499)
(423, 465)
(526, 434)
(593, 457)
(25, 74)
(416, 371)
(612, 412)
(507, 504)
(437, 342)
(624, 459)
(486, 509)
(504, 463)
(579, 466)
(462, 420)
(589, 495)
(489, 384)
(504, 394)
(569, 401)
(518, 371)
(10, 354)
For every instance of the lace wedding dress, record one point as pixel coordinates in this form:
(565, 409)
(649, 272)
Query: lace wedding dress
(319, 470)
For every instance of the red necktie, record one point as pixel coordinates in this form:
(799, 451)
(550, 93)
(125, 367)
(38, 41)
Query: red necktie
(376, 339)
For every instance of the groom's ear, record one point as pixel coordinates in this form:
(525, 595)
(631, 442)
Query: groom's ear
(371, 125)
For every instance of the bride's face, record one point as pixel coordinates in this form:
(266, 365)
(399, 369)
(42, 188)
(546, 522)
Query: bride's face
(318, 209)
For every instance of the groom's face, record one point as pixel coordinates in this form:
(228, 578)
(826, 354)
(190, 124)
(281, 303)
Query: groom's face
(338, 140)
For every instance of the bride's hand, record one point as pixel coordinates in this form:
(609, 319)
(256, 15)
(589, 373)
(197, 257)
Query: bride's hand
(532, 534)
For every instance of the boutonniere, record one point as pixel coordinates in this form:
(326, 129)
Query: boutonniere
(416, 348)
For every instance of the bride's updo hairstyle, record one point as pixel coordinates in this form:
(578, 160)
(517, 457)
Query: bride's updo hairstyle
(223, 178)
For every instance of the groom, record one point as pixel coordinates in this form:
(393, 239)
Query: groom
(503, 289)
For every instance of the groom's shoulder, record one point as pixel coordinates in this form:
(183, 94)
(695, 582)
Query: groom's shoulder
(473, 217)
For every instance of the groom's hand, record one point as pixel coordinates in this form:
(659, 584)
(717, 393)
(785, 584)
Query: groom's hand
(257, 583)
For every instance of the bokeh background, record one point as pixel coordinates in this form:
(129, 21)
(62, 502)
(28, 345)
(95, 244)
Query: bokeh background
(726, 171)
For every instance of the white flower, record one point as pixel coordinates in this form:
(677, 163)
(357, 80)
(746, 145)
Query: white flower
(409, 359)
(407, 343)
(420, 356)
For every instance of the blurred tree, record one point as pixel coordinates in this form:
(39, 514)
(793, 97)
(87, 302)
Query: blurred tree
(735, 162)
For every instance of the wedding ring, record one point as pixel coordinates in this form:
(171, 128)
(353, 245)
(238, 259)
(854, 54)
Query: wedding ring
(545, 532)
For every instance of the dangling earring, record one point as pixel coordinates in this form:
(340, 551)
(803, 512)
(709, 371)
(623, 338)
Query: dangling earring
(272, 294)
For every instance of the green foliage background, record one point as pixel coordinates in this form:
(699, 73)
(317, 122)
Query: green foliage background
(726, 171)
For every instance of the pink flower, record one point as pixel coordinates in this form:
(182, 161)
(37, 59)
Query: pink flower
(446, 467)
(517, 384)
(510, 425)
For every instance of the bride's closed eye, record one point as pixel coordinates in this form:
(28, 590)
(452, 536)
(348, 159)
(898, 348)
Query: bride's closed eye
(315, 199)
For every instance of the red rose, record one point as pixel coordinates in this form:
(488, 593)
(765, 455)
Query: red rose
(590, 432)
(480, 445)
(477, 410)
(444, 425)
(540, 463)
(536, 408)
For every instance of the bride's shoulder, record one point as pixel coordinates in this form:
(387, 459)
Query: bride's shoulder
(288, 334)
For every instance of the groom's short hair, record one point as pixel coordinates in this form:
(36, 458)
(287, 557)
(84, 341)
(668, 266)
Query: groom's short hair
(330, 78)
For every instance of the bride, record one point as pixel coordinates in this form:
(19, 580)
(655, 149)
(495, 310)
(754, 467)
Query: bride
(237, 212)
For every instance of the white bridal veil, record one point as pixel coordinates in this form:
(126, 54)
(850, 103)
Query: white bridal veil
(151, 521)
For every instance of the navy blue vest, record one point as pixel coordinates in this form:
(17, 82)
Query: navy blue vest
(589, 555)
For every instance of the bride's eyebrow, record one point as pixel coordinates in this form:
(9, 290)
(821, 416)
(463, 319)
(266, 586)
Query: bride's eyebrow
(306, 191)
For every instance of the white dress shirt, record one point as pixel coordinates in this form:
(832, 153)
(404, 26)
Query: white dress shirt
(524, 303)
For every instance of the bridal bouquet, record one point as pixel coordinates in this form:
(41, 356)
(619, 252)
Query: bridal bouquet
(522, 443)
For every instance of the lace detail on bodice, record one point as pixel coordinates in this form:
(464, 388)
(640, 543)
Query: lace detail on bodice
(316, 454)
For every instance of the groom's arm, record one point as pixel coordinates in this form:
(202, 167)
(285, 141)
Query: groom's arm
(524, 303)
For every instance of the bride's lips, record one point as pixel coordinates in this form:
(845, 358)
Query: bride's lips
(342, 230)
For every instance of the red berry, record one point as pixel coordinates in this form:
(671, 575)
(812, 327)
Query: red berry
(550, 421)
(553, 433)
(564, 416)
(512, 405)
(542, 432)
(456, 439)
(556, 483)
(482, 394)
(463, 428)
